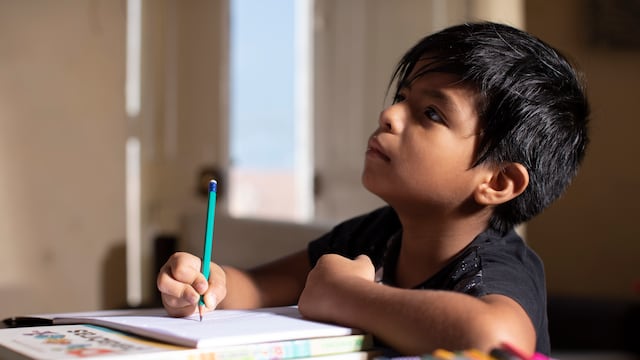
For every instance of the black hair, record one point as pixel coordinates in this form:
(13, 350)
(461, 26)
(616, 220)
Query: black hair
(533, 108)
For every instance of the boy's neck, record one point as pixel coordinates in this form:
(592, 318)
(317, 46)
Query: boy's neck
(430, 243)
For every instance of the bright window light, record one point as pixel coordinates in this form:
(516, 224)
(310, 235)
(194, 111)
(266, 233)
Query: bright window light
(270, 110)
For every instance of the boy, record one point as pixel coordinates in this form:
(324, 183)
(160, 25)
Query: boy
(488, 126)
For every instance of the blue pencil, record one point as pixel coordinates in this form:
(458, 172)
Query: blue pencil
(208, 236)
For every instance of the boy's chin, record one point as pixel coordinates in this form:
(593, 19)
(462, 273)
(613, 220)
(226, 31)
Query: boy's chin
(367, 183)
(374, 188)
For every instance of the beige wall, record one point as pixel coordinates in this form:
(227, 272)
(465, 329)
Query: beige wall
(590, 239)
(62, 131)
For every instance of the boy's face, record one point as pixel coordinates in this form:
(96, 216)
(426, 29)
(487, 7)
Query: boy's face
(423, 150)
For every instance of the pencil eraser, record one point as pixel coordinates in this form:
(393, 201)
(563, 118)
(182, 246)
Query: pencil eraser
(213, 186)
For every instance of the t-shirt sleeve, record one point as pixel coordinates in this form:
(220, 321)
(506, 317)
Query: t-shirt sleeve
(518, 273)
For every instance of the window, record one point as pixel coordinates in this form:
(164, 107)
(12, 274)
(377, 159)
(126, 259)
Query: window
(270, 173)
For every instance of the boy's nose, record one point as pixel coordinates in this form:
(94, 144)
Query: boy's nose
(393, 118)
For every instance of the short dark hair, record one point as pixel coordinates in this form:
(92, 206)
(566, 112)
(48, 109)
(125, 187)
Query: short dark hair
(533, 107)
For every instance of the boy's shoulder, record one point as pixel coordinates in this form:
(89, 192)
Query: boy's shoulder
(499, 263)
(508, 246)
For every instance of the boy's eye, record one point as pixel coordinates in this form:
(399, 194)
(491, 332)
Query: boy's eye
(432, 114)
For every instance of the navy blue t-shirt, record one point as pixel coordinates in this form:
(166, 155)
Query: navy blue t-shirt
(492, 263)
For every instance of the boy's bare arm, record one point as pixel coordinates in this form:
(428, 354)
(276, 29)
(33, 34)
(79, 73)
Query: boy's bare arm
(278, 283)
(411, 321)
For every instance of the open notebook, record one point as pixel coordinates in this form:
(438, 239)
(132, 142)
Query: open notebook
(218, 328)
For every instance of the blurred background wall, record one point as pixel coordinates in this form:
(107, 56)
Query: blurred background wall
(62, 130)
(589, 239)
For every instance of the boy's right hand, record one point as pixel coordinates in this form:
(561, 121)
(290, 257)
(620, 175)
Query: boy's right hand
(181, 284)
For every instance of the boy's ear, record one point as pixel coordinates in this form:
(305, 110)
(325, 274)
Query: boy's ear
(502, 184)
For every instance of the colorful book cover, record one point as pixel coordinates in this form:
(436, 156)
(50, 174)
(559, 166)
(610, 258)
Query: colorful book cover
(62, 342)
(73, 342)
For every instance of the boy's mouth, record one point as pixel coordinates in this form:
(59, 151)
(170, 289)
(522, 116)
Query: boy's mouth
(374, 149)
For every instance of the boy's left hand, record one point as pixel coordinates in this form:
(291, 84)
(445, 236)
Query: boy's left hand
(321, 295)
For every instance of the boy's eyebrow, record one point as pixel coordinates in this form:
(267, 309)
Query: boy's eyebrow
(442, 97)
(448, 104)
